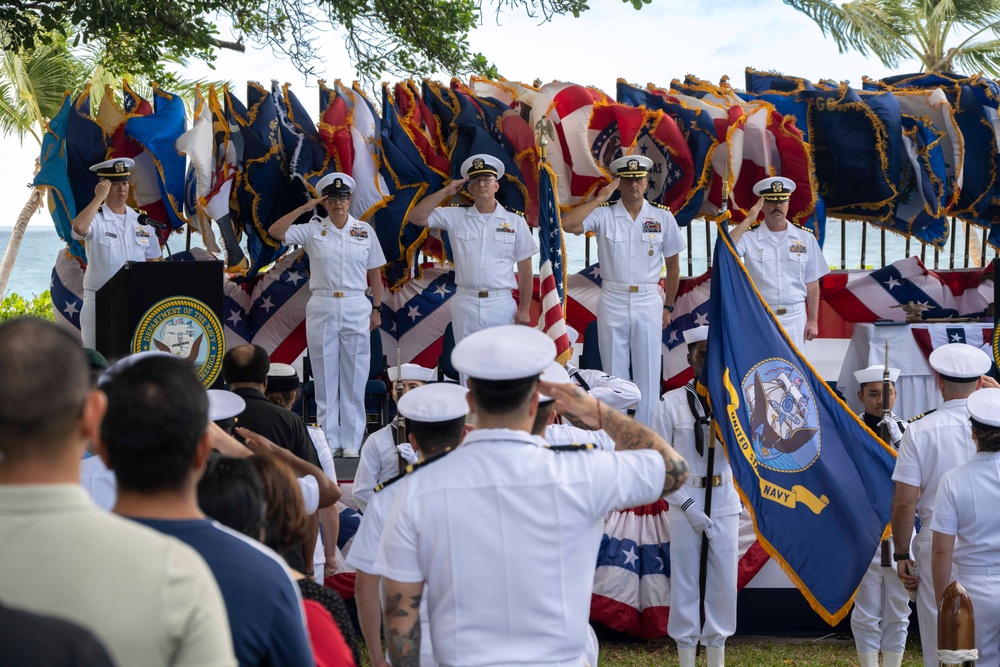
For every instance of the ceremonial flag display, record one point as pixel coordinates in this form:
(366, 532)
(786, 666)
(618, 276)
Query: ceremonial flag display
(816, 480)
(551, 265)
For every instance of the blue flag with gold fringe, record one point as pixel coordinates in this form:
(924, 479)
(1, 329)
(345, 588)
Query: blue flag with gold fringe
(816, 480)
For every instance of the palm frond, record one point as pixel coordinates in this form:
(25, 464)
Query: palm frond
(980, 57)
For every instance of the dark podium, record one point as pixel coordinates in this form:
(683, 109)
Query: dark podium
(172, 307)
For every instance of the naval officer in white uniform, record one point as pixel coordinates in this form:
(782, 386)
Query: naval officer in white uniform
(682, 419)
(784, 261)
(505, 533)
(382, 452)
(487, 241)
(111, 235)
(881, 613)
(344, 259)
(966, 526)
(933, 444)
(635, 240)
(435, 420)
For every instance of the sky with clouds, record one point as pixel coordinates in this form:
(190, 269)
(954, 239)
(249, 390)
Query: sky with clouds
(665, 40)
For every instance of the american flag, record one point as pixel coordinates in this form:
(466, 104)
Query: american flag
(551, 265)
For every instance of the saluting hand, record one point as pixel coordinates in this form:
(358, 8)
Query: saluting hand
(255, 442)
(313, 203)
(604, 194)
(755, 210)
(454, 187)
(574, 402)
(102, 189)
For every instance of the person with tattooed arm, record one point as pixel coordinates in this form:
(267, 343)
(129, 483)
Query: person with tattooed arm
(505, 533)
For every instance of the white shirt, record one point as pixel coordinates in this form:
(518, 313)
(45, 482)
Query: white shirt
(505, 534)
(379, 462)
(112, 240)
(782, 264)
(966, 507)
(339, 259)
(616, 393)
(675, 423)
(632, 251)
(486, 246)
(567, 434)
(931, 446)
(364, 551)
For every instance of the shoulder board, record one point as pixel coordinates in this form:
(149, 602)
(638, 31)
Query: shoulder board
(459, 205)
(913, 419)
(608, 203)
(515, 212)
(572, 448)
(411, 468)
(659, 205)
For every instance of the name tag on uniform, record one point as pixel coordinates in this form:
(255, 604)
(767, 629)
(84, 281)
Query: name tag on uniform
(359, 233)
(797, 247)
(505, 228)
(111, 234)
(651, 227)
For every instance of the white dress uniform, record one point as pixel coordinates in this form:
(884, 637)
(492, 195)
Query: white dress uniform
(486, 246)
(675, 421)
(932, 445)
(630, 311)
(364, 551)
(379, 462)
(966, 506)
(112, 240)
(567, 434)
(781, 264)
(337, 320)
(881, 613)
(614, 392)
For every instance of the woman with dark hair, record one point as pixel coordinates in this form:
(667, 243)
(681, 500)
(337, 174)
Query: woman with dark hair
(260, 498)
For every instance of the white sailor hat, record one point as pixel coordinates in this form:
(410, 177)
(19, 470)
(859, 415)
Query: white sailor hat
(414, 372)
(555, 374)
(574, 335)
(696, 335)
(774, 188)
(282, 377)
(224, 404)
(438, 402)
(336, 183)
(874, 373)
(125, 362)
(482, 164)
(631, 166)
(115, 169)
(984, 406)
(509, 352)
(959, 362)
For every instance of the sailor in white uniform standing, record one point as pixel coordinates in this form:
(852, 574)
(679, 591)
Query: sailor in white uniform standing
(382, 453)
(487, 241)
(933, 444)
(966, 526)
(784, 261)
(344, 258)
(881, 611)
(504, 532)
(111, 235)
(682, 419)
(435, 416)
(635, 240)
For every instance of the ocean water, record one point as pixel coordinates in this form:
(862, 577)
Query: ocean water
(41, 244)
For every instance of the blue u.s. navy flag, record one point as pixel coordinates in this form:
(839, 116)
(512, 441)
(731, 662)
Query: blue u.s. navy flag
(816, 480)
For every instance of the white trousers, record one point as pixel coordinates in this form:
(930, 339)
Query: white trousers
(470, 314)
(88, 319)
(926, 604)
(795, 326)
(881, 610)
(684, 623)
(984, 589)
(340, 352)
(629, 329)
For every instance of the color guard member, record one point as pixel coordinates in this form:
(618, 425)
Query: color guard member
(635, 240)
(344, 258)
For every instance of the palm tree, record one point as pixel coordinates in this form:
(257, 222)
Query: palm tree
(898, 30)
(32, 85)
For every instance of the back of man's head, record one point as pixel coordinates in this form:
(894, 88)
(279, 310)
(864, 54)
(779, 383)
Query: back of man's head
(157, 413)
(44, 382)
(246, 364)
(502, 397)
(436, 437)
(542, 417)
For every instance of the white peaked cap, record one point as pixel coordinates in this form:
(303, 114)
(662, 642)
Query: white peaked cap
(874, 374)
(438, 402)
(224, 404)
(508, 352)
(556, 374)
(960, 362)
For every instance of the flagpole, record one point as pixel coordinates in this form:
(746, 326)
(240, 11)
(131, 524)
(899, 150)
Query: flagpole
(710, 462)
